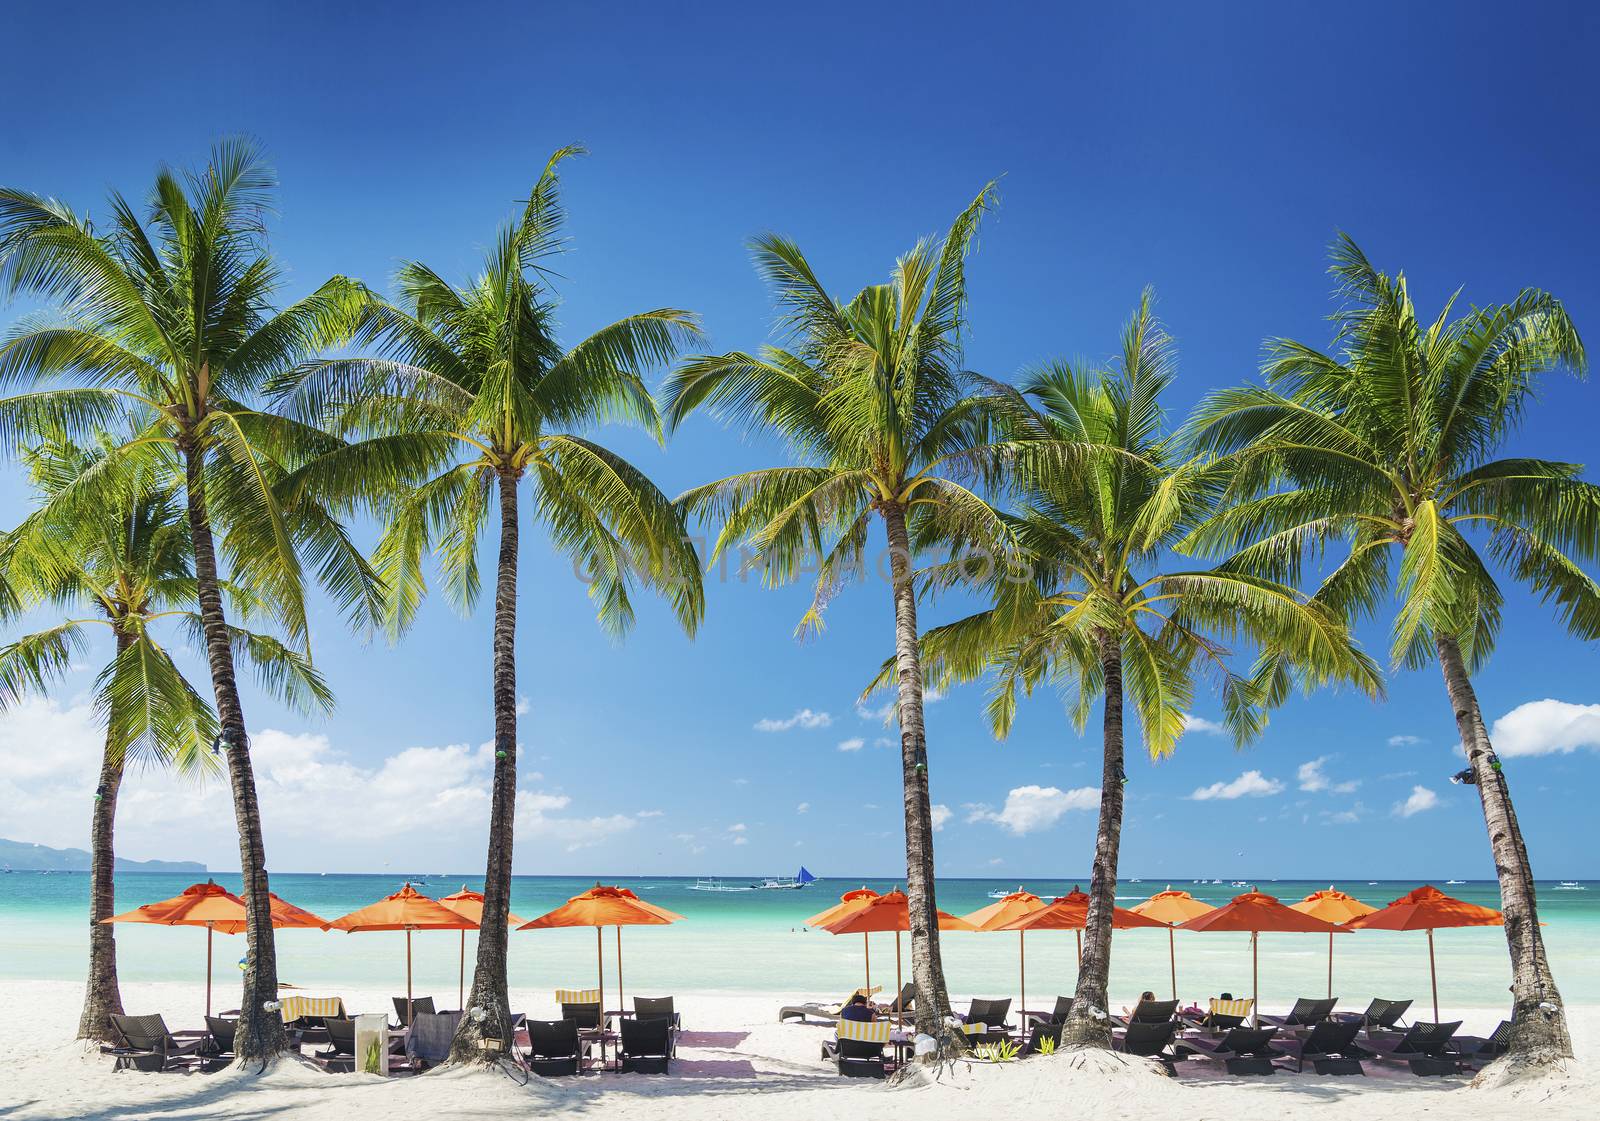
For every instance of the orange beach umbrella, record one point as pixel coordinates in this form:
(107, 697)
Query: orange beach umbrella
(1257, 912)
(407, 910)
(848, 902)
(999, 915)
(1428, 908)
(218, 910)
(1071, 912)
(603, 906)
(1172, 907)
(469, 904)
(888, 912)
(1335, 907)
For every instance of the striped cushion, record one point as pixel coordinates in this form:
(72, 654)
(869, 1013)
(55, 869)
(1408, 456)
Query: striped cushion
(577, 996)
(296, 1007)
(1239, 1008)
(868, 993)
(979, 1028)
(873, 1031)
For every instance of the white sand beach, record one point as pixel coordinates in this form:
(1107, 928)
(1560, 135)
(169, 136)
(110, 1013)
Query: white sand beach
(735, 1061)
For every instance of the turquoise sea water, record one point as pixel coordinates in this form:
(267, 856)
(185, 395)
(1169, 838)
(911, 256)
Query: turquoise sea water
(756, 941)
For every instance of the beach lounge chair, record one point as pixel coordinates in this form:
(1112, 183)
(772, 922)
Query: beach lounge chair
(991, 1013)
(1380, 1014)
(1225, 1015)
(1057, 1015)
(1478, 1050)
(827, 1013)
(583, 1006)
(554, 1048)
(660, 1008)
(1148, 1012)
(1307, 1012)
(1423, 1047)
(428, 1041)
(902, 1003)
(858, 1050)
(646, 1045)
(1151, 1040)
(1330, 1046)
(1241, 1050)
(421, 1006)
(147, 1045)
(218, 1050)
(340, 1054)
(1041, 1032)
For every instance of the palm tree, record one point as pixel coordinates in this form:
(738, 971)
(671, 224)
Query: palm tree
(167, 319)
(1104, 617)
(473, 394)
(128, 567)
(1387, 446)
(872, 399)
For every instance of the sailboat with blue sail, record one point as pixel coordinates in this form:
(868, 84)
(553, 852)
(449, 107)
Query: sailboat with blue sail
(801, 879)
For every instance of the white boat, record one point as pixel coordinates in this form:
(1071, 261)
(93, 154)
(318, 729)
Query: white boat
(801, 879)
(1001, 893)
(1448, 882)
(1570, 885)
(1239, 883)
(714, 884)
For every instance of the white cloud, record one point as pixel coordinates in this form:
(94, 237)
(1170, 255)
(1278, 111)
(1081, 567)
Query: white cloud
(1031, 808)
(803, 718)
(303, 782)
(737, 827)
(1421, 799)
(1312, 778)
(1405, 741)
(941, 814)
(1347, 817)
(802, 807)
(741, 840)
(888, 710)
(524, 706)
(1250, 784)
(650, 813)
(854, 744)
(1193, 723)
(1547, 727)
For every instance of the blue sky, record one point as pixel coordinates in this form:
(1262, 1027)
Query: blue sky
(1209, 151)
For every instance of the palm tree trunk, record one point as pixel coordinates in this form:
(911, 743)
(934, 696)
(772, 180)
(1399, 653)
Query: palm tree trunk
(1084, 1028)
(1538, 1022)
(489, 986)
(102, 998)
(927, 966)
(260, 1035)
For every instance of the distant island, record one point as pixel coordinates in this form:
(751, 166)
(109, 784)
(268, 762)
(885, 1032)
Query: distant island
(23, 856)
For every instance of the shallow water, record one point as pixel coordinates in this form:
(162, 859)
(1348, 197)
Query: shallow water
(757, 941)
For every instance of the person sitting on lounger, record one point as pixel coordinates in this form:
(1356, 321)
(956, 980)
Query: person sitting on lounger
(1144, 996)
(857, 1008)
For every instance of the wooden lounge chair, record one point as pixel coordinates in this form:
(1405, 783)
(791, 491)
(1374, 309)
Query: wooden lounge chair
(1381, 1014)
(1241, 1050)
(1058, 1015)
(1151, 1040)
(826, 1013)
(1307, 1012)
(858, 1050)
(554, 1048)
(218, 1049)
(646, 1046)
(1148, 1012)
(991, 1013)
(340, 1054)
(1330, 1046)
(1477, 1051)
(420, 1006)
(147, 1045)
(1423, 1047)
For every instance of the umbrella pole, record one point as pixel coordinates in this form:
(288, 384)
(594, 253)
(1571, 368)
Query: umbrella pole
(622, 1001)
(899, 985)
(866, 948)
(208, 969)
(1172, 959)
(461, 975)
(1330, 963)
(1433, 973)
(409, 1012)
(600, 966)
(1022, 974)
(1077, 936)
(1255, 980)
